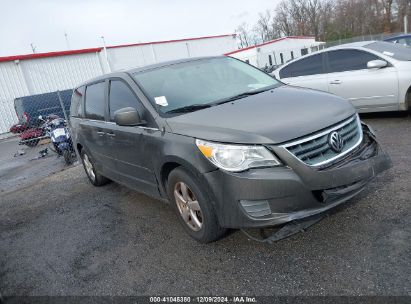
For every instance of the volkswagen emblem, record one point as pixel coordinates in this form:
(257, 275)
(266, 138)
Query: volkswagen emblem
(335, 141)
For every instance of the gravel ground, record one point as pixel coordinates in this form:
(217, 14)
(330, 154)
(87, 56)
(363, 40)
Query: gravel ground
(62, 236)
(20, 169)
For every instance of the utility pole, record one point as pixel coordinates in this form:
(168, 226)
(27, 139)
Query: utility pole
(33, 48)
(67, 41)
(105, 54)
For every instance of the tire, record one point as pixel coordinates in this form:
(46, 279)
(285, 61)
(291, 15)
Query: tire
(193, 206)
(94, 177)
(56, 149)
(68, 157)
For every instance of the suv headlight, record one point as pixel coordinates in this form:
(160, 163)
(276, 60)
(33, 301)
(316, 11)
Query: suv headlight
(236, 158)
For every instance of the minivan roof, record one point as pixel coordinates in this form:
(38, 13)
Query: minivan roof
(145, 68)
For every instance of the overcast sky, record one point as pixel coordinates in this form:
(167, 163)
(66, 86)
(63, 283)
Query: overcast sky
(43, 22)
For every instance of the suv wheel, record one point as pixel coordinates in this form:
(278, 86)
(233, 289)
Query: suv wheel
(95, 178)
(193, 207)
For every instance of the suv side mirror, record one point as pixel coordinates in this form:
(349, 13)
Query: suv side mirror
(376, 64)
(128, 117)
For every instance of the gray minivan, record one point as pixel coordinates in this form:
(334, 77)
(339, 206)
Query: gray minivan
(226, 144)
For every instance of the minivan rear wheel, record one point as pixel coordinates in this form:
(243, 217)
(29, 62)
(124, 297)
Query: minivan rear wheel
(95, 178)
(193, 207)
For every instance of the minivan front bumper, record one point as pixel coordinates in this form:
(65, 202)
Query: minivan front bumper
(273, 196)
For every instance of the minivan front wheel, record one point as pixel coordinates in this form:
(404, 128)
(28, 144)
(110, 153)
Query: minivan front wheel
(95, 178)
(188, 206)
(193, 207)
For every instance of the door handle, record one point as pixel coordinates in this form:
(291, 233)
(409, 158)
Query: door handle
(111, 134)
(100, 133)
(337, 81)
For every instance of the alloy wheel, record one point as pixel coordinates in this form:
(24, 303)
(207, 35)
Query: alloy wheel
(89, 167)
(188, 206)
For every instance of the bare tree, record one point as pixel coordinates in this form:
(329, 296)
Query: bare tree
(282, 21)
(387, 4)
(403, 9)
(327, 19)
(243, 35)
(263, 27)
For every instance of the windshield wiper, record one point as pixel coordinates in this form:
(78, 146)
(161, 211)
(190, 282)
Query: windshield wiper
(195, 107)
(242, 95)
(190, 108)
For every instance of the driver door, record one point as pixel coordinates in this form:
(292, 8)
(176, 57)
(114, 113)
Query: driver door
(127, 147)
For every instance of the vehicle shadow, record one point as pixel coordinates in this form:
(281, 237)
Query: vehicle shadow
(391, 114)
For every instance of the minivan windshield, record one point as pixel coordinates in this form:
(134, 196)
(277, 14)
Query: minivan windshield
(197, 84)
(396, 51)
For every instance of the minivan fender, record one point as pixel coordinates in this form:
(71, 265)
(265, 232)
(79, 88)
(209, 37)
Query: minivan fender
(170, 162)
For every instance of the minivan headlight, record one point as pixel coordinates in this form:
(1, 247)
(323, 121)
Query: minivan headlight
(236, 158)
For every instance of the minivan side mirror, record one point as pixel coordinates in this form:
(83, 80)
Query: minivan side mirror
(128, 117)
(376, 64)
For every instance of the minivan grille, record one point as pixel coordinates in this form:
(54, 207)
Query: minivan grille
(315, 150)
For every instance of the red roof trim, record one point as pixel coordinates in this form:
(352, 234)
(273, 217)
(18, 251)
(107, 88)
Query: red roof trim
(269, 42)
(50, 54)
(95, 50)
(169, 41)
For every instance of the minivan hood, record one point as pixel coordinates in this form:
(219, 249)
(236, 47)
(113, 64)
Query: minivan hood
(271, 117)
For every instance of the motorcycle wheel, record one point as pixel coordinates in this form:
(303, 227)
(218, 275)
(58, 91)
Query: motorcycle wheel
(68, 157)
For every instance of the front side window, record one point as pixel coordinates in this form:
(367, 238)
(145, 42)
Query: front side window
(95, 101)
(348, 60)
(308, 66)
(201, 82)
(121, 96)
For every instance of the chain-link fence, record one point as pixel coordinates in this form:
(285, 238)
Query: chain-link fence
(44, 121)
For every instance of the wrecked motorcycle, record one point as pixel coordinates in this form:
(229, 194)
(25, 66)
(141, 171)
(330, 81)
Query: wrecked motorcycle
(60, 138)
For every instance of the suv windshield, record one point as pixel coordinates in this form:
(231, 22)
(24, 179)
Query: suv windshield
(201, 83)
(396, 51)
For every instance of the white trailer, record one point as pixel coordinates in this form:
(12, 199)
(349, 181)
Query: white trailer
(277, 51)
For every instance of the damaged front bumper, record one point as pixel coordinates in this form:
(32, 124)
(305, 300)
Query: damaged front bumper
(273, 196)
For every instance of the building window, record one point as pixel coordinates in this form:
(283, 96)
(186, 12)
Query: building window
(314, 49)
(270, 60)
(292, 55)
(282, 58)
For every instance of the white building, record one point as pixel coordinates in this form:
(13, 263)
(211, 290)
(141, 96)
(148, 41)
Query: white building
(48, 72)
(277, 51)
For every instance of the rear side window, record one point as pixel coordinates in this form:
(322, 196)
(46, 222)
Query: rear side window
(348, 60)
(121, 96)
(308, 66)
(95, 101)
(76, 109)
